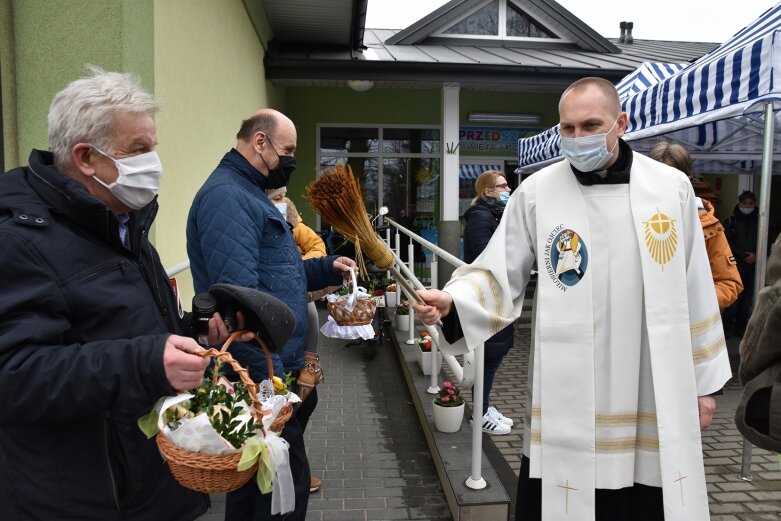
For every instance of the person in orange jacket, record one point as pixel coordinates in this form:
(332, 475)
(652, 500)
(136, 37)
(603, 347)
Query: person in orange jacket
(309, 243)
(722, 263)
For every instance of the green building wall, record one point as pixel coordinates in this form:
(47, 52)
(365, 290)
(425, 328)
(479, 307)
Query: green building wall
(202, 58)
(208, 67)
(48, 44)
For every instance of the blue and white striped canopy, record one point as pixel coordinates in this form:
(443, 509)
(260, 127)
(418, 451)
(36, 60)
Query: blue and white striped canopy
(733, 79)
(712, 106)
(472, 172)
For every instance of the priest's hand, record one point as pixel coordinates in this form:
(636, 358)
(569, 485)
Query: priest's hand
(436, 305)
(707, 406)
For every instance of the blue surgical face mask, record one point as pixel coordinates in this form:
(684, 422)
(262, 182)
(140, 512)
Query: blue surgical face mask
(504, 197)
(588, 153)
(282, 207)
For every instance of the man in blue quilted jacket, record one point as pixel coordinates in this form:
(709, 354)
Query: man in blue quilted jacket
(236, 235)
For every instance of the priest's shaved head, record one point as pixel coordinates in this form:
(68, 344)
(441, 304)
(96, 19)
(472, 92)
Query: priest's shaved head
(607, 89)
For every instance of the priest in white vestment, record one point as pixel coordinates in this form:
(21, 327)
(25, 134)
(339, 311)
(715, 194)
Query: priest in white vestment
(628, 346)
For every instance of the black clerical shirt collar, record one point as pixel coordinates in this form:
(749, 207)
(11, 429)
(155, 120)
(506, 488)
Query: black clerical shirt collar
(617, 173)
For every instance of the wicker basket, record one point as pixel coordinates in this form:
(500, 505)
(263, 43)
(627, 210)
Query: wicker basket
(218, 474)
(361, 314)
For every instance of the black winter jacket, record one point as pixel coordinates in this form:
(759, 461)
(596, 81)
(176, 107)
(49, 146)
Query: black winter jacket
(741, 231)
(83, 324)
(481, 221)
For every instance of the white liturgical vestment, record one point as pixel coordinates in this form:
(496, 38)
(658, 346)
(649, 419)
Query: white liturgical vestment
(626, 333)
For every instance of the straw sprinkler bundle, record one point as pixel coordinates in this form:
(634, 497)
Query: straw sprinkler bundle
(337, 197)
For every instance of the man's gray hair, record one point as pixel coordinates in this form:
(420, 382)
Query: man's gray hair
(83, 112)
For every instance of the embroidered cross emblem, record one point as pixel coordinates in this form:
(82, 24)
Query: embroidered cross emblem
(679, 480)
(566, 488)
(661, 237)
(660, 223)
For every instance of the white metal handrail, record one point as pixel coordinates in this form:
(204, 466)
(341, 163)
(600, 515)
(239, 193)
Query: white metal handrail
(177, 268)
(471, 374)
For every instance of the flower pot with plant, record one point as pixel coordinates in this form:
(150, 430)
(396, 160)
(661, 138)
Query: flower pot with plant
(391, 293)
(448, 408)
(424, 355)
(402, 316)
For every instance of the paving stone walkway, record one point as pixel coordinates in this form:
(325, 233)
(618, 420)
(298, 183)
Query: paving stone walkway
(731, 499)
(365, 441)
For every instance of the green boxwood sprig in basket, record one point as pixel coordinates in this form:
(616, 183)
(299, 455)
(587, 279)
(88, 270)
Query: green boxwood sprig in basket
(217, 436)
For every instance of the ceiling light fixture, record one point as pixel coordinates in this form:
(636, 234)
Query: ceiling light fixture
(497, 117)
(360, 85)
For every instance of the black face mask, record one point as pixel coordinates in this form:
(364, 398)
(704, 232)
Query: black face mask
(279, 176)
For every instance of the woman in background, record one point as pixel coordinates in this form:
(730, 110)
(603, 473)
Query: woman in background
(481, 220)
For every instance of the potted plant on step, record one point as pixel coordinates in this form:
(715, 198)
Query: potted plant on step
(448, 408)
(424, 354)
(402, 316)
(391, 294)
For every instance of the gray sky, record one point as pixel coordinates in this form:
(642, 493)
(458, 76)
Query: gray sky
(679, 20)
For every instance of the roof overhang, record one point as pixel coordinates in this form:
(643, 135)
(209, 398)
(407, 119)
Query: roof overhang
(336, 24)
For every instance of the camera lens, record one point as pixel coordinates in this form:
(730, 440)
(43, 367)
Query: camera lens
(204, 306)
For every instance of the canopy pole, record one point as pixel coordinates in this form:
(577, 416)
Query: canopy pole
(762, 239)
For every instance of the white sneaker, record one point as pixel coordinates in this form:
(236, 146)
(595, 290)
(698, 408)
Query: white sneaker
(501, 418)
(492, 426)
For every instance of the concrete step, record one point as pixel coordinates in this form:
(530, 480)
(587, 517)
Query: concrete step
(452, 452)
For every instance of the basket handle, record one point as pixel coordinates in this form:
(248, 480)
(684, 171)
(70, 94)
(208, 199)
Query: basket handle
(225, 357)
(354, 295)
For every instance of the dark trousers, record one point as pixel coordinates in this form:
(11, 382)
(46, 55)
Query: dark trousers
(248, 504)
(637, 503)
(736, 316)
(489, 371)
(306, 408)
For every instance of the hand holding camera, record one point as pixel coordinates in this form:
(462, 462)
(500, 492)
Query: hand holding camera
(212, 327)
(267, 317)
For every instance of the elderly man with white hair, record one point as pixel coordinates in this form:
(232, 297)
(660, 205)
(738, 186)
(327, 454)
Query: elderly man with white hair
(91, 334)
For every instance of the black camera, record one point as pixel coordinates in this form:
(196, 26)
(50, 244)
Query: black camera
(204, 306)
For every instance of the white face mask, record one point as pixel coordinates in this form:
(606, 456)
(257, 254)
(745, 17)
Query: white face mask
(138, 181)
(746, 211)
(282, 207)
(588, 153)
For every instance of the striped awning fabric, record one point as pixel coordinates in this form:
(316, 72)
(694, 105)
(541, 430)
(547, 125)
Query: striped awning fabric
(472, 172)
(739, 74)
(648, 74)
(711, 106)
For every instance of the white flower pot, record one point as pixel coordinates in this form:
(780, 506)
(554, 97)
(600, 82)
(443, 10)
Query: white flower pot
(402, 322)
(391, 299)
(424, 361)
(448, 419)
